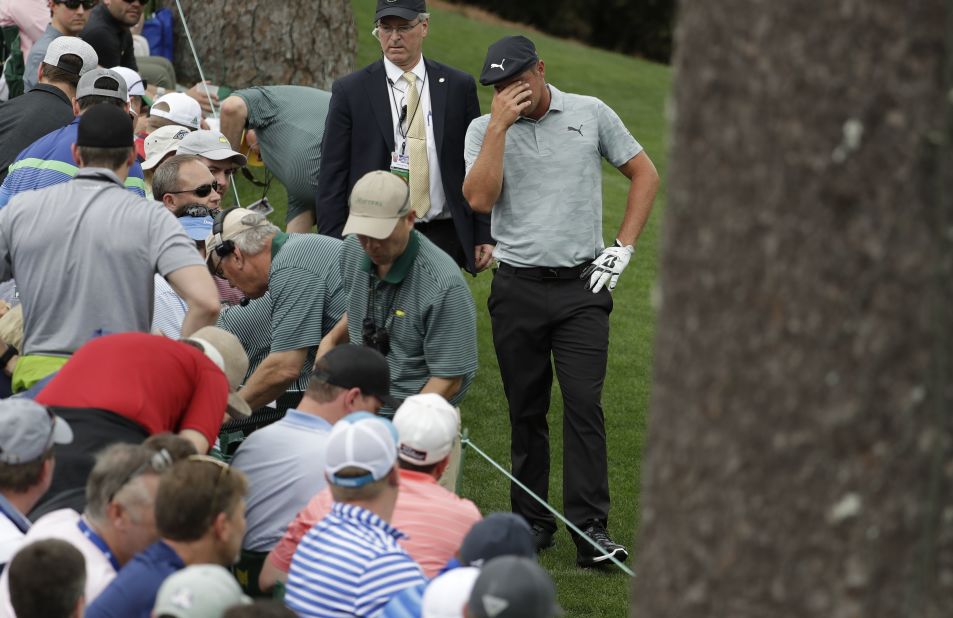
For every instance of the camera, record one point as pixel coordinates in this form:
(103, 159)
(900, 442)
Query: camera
(375, 337)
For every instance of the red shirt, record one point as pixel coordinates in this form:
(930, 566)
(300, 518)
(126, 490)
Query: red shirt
(159, 383)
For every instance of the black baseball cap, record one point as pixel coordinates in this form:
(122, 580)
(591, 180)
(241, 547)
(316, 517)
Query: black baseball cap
(406, 9)
(105, 126)
(507, 58)
(351, 365)
(498, 534)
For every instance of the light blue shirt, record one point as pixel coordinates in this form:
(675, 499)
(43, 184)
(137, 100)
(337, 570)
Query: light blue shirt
(35, 58)
(284, 463)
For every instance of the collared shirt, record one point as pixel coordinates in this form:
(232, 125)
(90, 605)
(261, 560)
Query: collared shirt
(549, 212)
(434, 520)
(30, 16)
(71, 293)
(169, 309)
(49, 161)
(63, 525)
(13, 527)
(35, 58)
(29, 117)
(281, 462)
(397, 93)
(306, 294)
(349, 564)
(133, 592)
(426, 307)
(252, 325)
(289, 125)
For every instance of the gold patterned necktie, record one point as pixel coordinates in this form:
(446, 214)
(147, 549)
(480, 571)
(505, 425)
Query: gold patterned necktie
(417, 150)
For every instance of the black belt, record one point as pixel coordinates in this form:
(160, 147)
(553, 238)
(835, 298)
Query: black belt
(542, 272)
(423, 225)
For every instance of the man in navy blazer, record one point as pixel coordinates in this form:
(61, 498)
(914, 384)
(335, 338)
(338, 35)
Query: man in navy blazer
(372, 124)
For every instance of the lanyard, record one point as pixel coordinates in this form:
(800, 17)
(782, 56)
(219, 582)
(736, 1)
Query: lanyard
(98, 541)
(372, 303)
(402, 112)
(10, 512)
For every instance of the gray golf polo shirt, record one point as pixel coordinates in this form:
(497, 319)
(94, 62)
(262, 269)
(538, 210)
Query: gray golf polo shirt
(549, 212)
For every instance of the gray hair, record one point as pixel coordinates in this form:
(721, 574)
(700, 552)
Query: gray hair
(114, 479)
(253, 238)
(166, 176)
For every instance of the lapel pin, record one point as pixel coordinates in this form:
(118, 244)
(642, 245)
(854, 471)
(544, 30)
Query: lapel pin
(441, 80)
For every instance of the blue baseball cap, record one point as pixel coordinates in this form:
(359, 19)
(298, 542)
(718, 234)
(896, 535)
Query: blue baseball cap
(198, 228)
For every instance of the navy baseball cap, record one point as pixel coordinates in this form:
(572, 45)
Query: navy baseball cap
(351, 365)
(105, 126)
(499, 534)
(406, 9)
(507, 58)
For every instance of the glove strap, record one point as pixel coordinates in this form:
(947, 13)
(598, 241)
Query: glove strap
(629, 248)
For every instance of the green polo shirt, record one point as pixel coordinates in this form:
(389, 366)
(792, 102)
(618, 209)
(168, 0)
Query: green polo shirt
(307, 298)
(426, 307)
(252, 325)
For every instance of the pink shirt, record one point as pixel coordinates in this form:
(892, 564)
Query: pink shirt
(30, 16)
(435, 521)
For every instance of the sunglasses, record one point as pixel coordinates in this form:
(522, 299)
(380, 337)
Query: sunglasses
(75, 4)
(141, 2)
(201, 190)
(223, 470)
(160, 460)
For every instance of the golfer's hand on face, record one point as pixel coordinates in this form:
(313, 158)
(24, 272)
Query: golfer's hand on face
(509, 102)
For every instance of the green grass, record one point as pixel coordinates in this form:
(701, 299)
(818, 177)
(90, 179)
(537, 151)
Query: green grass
(637, 91)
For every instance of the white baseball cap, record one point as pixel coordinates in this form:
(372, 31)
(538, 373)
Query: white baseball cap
(161, 142)
(364, 441)
(199, 591)
(63, 45)
(427, 426)
(183, 109)
(447, 595)
(134, 84)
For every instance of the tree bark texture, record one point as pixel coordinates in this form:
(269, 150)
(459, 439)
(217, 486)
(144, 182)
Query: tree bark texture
(800, 450)
(260, 42)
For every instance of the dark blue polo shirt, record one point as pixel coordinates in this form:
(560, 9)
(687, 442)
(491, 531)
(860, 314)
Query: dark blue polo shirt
(133, 593)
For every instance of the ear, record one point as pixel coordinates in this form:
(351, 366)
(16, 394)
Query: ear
(168, 200)
(541, 68)
(76, 109)
(114, 513)
(393, 477)
(74, 150)
(441, 466)
(424, 28)
(350, 397)
(131, 158)
(221, 525)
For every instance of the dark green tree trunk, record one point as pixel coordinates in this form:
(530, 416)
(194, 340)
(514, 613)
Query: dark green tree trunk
(260, 42)
(800, 449)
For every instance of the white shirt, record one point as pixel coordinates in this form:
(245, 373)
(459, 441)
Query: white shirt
(64, 524)
(397, 93)
(10, 539)
(169, 310)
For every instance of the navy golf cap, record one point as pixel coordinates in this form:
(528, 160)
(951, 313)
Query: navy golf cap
(500, 534)
(104, 126)
(406, 9)
(507, 58)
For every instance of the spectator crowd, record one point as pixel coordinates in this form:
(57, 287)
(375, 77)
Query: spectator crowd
(205, 414)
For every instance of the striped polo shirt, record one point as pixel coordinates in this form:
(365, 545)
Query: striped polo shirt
(306, 294)
(349, 564)
(49, 161)
(433, 519)
(426, 307)
(289, 124)
(252, 325)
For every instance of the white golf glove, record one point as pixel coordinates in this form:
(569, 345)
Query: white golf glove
(606, 268)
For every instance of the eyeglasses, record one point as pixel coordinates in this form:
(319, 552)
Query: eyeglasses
(199, 191)
(75, 4)
(402, 30)
(160, 460)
